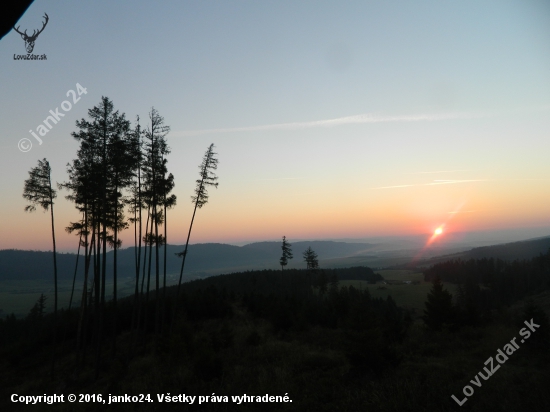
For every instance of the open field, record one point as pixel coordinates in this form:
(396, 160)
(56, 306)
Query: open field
(18, 296)
(365, 260)
(409, 296)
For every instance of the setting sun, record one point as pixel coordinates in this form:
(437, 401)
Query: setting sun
(438, 231)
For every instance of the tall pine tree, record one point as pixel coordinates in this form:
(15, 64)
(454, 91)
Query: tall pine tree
(287, 253)
(439, 312)
(39, 192)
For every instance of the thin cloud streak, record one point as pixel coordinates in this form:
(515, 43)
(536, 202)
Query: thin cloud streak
(278, 178)
(435, 183)
(445, 180)
(442, 171)
(357, 119)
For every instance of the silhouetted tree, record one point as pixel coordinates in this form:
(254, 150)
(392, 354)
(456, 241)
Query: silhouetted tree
(121, 164)
(467, 303)
(136, 203)
(96, 179)
(83, 185)
(39, 192)
(287, 253)
(168, 202)
(312, 263)
(439, 310)
(38, 310)
(75, 266)
(322, 282)
(311, 259)
(158, 184)
(207, 178)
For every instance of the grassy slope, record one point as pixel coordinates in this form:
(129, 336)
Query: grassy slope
(408, 296)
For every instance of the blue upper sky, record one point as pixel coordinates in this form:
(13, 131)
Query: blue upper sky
(331, 119)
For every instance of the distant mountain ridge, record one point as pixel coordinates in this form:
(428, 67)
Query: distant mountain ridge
(206, 259)
(202, 259)
(524, 249)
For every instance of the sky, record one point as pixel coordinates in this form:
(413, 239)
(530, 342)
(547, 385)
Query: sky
(331, 119)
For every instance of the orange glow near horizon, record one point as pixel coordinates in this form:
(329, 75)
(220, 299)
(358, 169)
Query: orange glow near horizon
(237, 215)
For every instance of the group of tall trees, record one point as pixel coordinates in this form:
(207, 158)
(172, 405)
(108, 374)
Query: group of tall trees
(117, 169)
(483, 285)
(493, 283)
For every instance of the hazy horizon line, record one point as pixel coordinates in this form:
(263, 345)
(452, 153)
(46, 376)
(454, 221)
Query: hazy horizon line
(510, 231)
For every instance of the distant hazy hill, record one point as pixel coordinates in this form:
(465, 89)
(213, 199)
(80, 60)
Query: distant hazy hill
(205, 258)
(525, 249)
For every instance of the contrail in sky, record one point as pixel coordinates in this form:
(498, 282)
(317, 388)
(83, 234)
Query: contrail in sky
(339, 121)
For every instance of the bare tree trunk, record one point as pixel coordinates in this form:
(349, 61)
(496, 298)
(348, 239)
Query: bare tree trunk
(157, 273)
(149, 271)
(75, 270)
(186, 246)
(81, 335)
(55, 285)
(165, 251)
(115, 251)
(183, 265)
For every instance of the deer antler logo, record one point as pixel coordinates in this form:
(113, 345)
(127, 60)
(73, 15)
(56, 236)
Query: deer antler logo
(29, 40)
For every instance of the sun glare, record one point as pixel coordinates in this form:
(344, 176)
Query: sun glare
(438, 231)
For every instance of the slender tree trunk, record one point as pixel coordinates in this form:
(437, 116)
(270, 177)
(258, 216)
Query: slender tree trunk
(137, 297)
(75, 270)
(145, 252)
(97, 278)
(83, 303)
(137, 243)
(115, 251)
(104, 199)
(165, 251)
(187, 242)
(72, 288)
(55, 284)
(140, 307)
(183, 260)
(154, 154)
(149, 271)
(157, 273)
(140, 221)
(136, 263)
